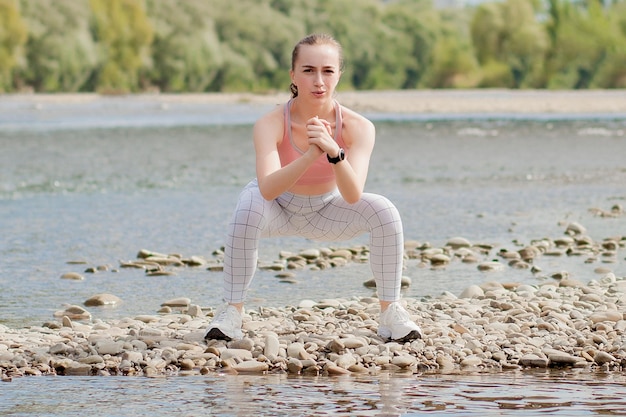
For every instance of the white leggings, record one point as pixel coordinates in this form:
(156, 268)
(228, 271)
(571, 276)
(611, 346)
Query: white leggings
(326, 217)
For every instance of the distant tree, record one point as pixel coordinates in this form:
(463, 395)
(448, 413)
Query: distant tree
(371, 46)
(186, 51)
(119, 46)
(415, 23)
(453, 62)
(588, 44)
(510, 43)
(61, 53)
(612, 71)
(124, 35)
(13, 35)
(355, 25)
(256, 43)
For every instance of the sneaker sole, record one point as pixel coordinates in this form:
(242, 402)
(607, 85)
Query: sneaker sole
(216, 334)
(413, 335)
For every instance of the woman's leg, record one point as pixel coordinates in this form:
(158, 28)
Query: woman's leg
(373, 214)
(378, 216)
(251, 218)
(327, 218)
(249, 223)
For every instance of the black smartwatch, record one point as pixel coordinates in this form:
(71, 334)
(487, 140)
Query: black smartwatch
(338, 158)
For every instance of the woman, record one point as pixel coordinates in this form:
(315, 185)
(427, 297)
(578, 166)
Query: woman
(312, 157)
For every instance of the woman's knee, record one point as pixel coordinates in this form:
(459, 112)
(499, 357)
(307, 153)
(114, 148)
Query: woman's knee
(383, 211)
(251, 208)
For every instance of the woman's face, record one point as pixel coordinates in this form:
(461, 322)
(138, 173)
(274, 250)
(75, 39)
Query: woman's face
(316, 71)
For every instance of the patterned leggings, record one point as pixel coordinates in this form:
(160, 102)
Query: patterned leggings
(325, 217)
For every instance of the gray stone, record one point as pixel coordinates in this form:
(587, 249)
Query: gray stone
(103, 300)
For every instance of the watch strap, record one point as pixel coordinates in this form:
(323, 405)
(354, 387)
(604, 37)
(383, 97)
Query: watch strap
(338, 158)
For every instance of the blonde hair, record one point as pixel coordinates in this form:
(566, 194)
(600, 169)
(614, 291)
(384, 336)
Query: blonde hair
(312, 40)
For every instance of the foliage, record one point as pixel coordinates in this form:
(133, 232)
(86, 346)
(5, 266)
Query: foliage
(120, 46)
(124, 33)
(589, 46)
(257, 40)
(453, 60)
(186, 52)
(416, 25)
(13, 34)
(61, 52)
(508, 35)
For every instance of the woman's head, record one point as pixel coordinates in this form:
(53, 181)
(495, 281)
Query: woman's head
(314, 40)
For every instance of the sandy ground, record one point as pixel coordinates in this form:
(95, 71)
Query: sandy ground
(405, 101)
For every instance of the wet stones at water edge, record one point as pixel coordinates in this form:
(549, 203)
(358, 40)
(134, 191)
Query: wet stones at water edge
(558, 322)
(486, 257)
(488, 328)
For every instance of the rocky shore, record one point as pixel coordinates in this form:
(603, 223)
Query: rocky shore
(494, 327)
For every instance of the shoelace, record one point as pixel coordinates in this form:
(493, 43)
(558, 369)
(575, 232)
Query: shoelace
(226, 316)
(401, 314)
(222, 315)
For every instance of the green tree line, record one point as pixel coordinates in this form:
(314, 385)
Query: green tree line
(120, 46)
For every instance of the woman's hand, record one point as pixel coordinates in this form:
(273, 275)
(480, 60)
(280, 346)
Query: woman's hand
(320, 134)
(273, 178)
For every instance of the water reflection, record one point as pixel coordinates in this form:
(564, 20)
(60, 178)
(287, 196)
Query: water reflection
(277, 395)
(560, 393)
(549, 392)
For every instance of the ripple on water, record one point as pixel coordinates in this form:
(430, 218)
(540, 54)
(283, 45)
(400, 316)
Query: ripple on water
(529, 393)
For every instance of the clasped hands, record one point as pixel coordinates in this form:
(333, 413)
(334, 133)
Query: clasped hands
(320, 135)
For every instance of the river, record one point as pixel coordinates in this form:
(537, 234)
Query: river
(98, 182)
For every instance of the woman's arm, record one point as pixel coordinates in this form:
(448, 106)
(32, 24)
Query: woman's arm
(274, 180)
(359, 136)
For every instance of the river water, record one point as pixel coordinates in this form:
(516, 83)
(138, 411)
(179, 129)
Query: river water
(96, 182)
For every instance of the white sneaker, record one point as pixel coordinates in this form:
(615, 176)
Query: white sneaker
(395, 324)
(226, 324)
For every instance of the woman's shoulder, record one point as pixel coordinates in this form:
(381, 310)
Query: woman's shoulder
(353, 119)
(356, 128)
(276, 115)
(271, 122)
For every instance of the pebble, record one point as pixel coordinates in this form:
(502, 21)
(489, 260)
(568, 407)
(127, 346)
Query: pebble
(272, 346)
(458, 242)
(251, 366)
(473, 291)
(177, 302)
(490, 266)
(102, 300)
(72, 276)
(73, 312)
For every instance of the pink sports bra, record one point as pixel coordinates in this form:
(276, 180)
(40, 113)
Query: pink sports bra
(321, 171)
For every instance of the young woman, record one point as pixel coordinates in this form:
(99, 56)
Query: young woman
(312, 157)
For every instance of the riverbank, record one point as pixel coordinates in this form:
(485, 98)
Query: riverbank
(400, 101)
(492, 327)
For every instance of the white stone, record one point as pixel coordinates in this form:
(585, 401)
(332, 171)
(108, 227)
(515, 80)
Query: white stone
(251, 366)
(473, 291)
(240, 354)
